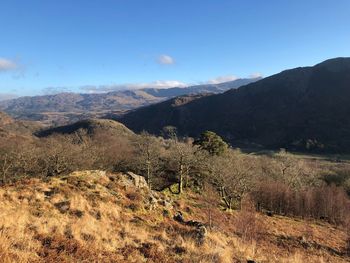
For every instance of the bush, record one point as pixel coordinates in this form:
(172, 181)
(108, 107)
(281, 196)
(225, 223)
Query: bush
(248, 225)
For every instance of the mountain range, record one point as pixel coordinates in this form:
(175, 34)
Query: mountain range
(306, 108)
(66, 108)
(303, 109)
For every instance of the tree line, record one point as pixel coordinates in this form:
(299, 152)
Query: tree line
(282, 183)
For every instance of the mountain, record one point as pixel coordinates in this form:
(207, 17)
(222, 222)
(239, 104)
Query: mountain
(305, 108)
(5, 96)
(89, 127)
(70, 107)
(198, 89)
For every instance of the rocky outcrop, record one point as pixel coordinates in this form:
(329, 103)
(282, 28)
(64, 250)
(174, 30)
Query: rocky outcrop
(200, 231)
(135, 179)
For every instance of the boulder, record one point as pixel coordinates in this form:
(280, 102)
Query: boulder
(63, 207)
(201, 233)
(152, 202)
(137, 180)
(179, 217)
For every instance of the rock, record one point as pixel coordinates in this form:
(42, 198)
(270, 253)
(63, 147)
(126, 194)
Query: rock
(165, 203)
(63, 207)
(77, 213)
(179, 250)
(137, 180)
(166, 213)
(201, 234)
(152, 202)
(269, 213)
(179, 217)
(200, 231)
(194, 223)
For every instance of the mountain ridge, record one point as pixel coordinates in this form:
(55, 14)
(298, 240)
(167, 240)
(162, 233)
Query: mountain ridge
(305, 108)
(68, 107)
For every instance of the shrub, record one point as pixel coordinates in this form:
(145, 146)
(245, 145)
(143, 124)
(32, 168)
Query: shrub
(248, 225)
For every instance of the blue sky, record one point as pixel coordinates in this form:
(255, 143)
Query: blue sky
(48, 46)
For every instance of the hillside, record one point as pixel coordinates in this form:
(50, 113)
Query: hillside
(66, 108)
(300, 109)
(16, 128)
(94, 216)
(89, 127)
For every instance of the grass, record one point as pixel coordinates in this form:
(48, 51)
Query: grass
(102, 220)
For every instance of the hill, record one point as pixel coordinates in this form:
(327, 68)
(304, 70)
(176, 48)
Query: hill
(94, 216)
(66, 108)
(89, 127)
(14, 128)
(304, 108)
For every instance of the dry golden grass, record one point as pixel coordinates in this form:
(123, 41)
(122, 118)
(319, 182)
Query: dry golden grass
(93, 217)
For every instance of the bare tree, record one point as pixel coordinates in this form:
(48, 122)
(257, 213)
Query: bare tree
(181, 155)
(294, 171)
(233, 174)
(109, 152)
(147, 155)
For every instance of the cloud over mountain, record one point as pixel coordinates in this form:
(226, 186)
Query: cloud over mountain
(158, 84)
(222, 79)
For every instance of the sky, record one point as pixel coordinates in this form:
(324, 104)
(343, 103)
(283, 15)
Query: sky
(49, 46)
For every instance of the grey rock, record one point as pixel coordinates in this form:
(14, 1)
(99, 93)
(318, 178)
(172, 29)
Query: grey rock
(63, 207)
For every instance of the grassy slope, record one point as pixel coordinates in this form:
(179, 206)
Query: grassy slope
(108, 220)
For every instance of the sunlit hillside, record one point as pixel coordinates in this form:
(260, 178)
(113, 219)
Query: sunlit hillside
(95, 216)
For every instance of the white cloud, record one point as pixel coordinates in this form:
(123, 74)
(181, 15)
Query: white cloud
(165, 60)
(221, 79)
(55, 90)
(255, 75)
(7, 65)
(159, 84)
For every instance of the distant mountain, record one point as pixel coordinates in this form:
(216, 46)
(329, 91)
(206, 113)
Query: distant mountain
(5, 96)
(198, 89)
(69, 107)
(304, 108)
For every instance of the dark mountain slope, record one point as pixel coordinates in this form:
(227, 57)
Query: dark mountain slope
(304, 108)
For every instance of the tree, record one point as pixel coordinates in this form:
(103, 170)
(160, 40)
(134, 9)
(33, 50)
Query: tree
(181, 155)
(110, 152)
(233, 174)
(212, 143)
(292, 170)
(17, 159)
(148, 155)
(61, 154)
(169, 132)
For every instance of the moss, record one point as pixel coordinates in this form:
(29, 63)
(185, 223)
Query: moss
(171, 190)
